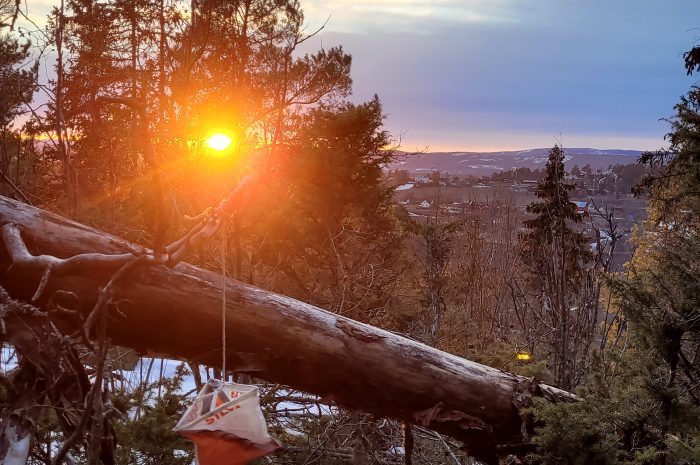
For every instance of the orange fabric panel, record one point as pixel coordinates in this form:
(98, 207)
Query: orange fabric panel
(219, 448)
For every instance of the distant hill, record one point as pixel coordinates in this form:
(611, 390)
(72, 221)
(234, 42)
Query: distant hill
(486, 163)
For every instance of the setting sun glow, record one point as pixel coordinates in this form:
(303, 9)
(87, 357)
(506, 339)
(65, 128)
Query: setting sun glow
(219, 142)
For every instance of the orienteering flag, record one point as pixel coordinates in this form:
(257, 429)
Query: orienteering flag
(226, 425)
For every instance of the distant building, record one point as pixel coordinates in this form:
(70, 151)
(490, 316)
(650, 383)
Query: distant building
(530, 184)
(404, 202)
(582, 206)
(603, 236)
(425, 204)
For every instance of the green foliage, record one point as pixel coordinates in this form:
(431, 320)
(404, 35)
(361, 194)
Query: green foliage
(555, 258)
(618, 420)
(16, 84)
(145, 428)
(642, 406)
(340, 157)
(553, 214)
(324, 224)
(503, 356)
(692, 60)
(661, 297)
(571, 436)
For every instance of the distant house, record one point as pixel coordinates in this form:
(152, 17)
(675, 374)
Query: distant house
(582, 206)
(404, 202)
(425, 204)
(530, 184)
(604, 236)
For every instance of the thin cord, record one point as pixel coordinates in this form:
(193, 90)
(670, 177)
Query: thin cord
(223, 301)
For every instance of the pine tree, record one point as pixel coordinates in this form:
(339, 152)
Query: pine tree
(322, 229)
(17, 85)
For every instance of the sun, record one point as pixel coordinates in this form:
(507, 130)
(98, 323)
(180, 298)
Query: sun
(219, 141)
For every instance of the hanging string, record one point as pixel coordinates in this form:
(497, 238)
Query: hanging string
(223, 300)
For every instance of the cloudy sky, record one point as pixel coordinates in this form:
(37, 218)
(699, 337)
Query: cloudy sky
(515, 74)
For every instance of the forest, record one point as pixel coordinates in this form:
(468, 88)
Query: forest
(166, 164)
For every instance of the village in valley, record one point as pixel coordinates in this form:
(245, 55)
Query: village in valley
(603, 197)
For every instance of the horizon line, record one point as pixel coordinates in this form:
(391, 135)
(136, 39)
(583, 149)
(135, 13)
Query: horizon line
(428, 149)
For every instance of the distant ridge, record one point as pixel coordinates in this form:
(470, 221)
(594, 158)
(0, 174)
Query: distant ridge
(486, 163)
(545, 151)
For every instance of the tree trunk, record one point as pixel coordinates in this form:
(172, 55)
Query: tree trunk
(177, 312)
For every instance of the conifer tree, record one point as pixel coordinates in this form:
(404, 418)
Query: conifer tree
(554, 213)
(642, 405)
(322, 231)
(661, 297)
(554, 255)
(17, 85)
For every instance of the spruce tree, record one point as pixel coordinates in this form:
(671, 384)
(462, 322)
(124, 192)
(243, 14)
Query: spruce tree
(554, 213)
(554, 255)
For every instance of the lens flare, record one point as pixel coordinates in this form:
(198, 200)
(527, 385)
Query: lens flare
(219, 142)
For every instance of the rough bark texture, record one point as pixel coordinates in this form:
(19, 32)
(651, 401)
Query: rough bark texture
(19, 412)
(177, 312)
(49, 371)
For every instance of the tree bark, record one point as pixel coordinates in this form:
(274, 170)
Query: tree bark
(177, 312)
(49, 371)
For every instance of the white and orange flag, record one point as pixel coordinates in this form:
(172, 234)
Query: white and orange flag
(226, 425)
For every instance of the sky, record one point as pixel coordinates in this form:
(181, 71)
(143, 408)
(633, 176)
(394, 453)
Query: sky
(492, 75)
(488, 75)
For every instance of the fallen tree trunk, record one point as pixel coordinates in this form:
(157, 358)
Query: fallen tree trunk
(177, 312)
